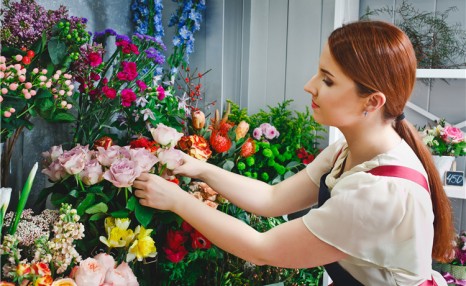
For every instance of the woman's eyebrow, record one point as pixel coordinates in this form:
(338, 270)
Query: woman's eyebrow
(327, 72)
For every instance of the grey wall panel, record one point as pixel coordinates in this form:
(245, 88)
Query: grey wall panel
(304, 46)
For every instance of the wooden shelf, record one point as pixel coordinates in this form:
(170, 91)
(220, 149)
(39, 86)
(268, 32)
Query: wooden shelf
(455, 192)
(441, 73)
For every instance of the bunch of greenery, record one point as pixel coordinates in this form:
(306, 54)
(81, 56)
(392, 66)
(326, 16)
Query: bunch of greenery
(438, 44)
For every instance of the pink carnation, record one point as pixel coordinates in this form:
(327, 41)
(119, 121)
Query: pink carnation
(127, 97)
(95, 59)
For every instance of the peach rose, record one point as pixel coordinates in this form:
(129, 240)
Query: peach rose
(89, 273)
(64, 282)
(166, 136)
(242, 129)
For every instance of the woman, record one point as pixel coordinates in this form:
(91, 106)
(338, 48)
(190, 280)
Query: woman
(383, 227)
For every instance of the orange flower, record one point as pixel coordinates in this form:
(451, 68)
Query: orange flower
(41, 269)
(248, 148)
(64, 282)
(104, 142)
(2, 283)
(44, 281)
(195, 146)
(23, 269)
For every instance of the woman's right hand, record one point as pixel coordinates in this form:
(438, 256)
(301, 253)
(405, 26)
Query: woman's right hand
(191, 167)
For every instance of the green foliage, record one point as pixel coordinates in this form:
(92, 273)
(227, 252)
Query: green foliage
(436, 43)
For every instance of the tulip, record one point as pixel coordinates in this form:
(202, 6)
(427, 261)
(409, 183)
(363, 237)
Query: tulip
(241, 130)
(198, 118)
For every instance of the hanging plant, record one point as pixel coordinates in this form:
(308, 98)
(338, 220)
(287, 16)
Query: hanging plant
(438, 45)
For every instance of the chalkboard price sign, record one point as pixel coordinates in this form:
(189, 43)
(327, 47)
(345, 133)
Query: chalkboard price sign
(454, 178)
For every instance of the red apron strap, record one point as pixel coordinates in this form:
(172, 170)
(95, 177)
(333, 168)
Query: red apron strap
(401, 172)
(429, 282)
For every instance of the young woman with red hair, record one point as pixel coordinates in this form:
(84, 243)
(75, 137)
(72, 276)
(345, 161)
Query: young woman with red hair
(383, 214)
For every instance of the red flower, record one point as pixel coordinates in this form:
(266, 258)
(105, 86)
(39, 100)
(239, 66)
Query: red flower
(143, 142)
(104, 142)
(186, 227)
(95, 59)
(142, 85)
(301, 153)
(219, 142)
(308, 159)
(174, 180)
(41, 269)
(127, 97)
(176, 239)
(127, 47)
(129, 71)
(199, 241)
(109, 92)
(175, 256)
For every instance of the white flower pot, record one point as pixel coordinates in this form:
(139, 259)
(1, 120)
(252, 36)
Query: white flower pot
(443, 164)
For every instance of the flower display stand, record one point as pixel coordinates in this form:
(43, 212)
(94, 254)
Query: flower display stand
(443, 164)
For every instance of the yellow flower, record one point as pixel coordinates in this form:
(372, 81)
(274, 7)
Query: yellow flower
(117, 236)
(143, 246)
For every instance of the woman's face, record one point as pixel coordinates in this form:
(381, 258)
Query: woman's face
(335, 100)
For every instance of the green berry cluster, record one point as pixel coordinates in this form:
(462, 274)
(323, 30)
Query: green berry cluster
(268, 162)
(76, 35)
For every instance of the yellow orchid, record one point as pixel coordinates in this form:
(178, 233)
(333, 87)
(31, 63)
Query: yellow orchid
(143, 246)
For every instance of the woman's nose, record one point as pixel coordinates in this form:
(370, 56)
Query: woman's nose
(309, 87)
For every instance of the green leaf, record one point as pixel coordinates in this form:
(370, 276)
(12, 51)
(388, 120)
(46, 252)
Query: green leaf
(228, 165)
(120, 214)
(23, 197)
(97, 216)
(57, 50)
(143, 214)
(63, 117)
(131, 204)
(288, 174)
(85, 204)
(97, 208)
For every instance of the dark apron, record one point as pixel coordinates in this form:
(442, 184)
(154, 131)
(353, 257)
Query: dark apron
(338, 274)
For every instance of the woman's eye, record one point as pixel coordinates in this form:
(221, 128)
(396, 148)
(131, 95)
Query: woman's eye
(327, 81)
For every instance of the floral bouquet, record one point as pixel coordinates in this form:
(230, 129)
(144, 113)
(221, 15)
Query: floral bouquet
(36, 80)
(444, 140)
(455, 271)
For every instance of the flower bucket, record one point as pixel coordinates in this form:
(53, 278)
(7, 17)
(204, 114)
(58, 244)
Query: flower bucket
(443, 164)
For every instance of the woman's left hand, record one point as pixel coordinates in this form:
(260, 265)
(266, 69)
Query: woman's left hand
(156, 192)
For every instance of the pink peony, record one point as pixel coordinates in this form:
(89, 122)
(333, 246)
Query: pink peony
(172, 158)
(92, 173)
(89, 273)
(128, 274)
(74, 160)
(166, 136)
(122, 173)
(145, 159)
(451, 134)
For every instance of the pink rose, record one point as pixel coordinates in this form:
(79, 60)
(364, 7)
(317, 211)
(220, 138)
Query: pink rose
(145, 159)
(122, 173)
(107, 156)
(105, 260)
(452, 134)
(89, 273)
(128, 274)
(52, 154)
(166, 136)
(55, 172)
(172, 158)
(75, 159)
(92, 173)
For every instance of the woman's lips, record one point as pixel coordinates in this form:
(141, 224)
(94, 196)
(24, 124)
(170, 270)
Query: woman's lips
(314, 105)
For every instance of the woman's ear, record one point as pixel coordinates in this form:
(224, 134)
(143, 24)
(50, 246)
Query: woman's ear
(375, 101)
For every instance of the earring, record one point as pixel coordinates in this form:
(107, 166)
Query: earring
(365, 113)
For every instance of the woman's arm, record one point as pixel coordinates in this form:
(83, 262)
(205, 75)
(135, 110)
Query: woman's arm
(288, 245)
(293, 194)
